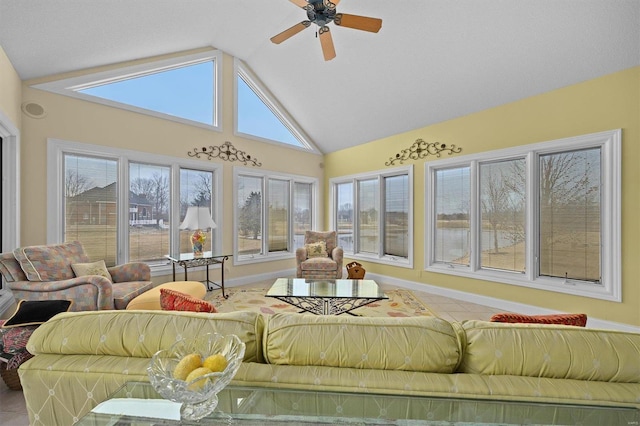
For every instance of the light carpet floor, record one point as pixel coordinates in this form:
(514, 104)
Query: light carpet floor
(401, 303)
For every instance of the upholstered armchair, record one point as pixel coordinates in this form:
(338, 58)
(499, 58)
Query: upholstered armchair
(48, 272)
(320, 258)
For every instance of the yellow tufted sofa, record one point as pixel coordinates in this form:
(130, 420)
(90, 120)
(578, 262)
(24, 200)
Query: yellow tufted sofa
(83, 357)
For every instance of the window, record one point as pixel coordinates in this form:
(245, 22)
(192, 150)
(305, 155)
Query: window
(260, 116)
(266, 226)
(121, 204)
(183, 89)
(372, 213)
(545, 215)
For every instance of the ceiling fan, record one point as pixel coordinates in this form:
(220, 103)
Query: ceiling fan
(321, 13)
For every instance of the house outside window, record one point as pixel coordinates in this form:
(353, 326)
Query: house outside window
(121, 204)
(373, 215)
(545, 215)
(272, 212)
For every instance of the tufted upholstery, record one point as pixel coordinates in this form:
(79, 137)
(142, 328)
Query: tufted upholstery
(329, 267)
(45, 273)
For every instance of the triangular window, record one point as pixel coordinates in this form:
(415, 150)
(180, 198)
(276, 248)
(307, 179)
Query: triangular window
(260, 116)
(182, 89)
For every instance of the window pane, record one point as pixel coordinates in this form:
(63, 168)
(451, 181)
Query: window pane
(185, 92)
(452, 200)
(368, 216)
(502, 200)
(91, 208)
(196, 189)
(345, 215)
(278, 215)
(257, 119)
(249, 215)
(148, 212)
(396, 218)
(570, 215)
(302, 215)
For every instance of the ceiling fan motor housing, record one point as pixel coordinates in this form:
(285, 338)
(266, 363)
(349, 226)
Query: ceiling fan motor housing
(321, 12)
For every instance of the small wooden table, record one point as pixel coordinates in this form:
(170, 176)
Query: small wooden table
(189, 260)
(326, 297)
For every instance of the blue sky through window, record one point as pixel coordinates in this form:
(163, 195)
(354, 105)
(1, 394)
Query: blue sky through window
(185, 92)
(255, 118)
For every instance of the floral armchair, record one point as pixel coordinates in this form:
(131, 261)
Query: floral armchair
(320, 258)
(48, 272)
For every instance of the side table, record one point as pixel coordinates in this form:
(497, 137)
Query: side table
(189, 260)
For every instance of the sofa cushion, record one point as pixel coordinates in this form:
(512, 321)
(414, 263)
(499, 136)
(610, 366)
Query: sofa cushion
(550, 351)
(10, 268)
(50, 262)
(412, 344)
(329, 237)
(140, 333)
(318, 249)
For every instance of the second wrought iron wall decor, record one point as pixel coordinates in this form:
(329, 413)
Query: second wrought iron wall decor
(421, 149)
(226, 152)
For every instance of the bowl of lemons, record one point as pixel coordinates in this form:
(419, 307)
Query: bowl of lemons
(193, 371)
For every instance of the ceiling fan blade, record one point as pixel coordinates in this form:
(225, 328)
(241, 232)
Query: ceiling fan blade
(326, 41)
(300, 3)
(358, 22)
(279, 38)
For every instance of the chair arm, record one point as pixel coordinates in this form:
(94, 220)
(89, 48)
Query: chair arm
(90, 292)
(337, 254)
(301, 255)
(132, 271)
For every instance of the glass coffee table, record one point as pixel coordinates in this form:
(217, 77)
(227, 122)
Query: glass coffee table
(326, 297)
(277, 406)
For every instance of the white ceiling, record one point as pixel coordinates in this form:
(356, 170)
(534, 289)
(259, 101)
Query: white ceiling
(433, 60)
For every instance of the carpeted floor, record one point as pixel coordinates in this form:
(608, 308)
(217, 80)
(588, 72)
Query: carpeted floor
(401, 303)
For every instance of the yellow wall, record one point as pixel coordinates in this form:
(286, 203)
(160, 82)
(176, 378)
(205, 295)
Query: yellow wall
(81, 121)
(605, 103)
(10, 90)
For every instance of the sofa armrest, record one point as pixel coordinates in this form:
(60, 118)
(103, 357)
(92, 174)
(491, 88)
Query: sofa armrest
(132, 271)
(301, 255)
(337, 254)
(90, 292)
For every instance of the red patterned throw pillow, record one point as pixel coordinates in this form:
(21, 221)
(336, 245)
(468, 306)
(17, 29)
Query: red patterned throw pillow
(578, 320)
(171, 300)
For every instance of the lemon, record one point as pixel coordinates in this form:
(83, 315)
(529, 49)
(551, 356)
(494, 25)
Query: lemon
(186, 365)
(200, 371)
(215, 362)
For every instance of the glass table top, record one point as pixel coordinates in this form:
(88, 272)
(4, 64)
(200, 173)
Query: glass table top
(277, 406)
(343, 289)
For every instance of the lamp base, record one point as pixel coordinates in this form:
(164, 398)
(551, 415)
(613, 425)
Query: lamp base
(197, 241)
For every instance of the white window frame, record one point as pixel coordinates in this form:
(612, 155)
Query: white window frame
(610, 287)
(56, 149)
(242, 70)
(71, 86)
(378, 175)
(265, 176)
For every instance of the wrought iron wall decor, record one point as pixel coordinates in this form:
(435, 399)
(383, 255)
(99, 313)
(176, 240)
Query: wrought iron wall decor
(226, 152)
(421, 149)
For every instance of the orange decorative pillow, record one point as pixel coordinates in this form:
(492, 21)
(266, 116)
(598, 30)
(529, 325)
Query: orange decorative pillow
(578, 320)
(171, 300)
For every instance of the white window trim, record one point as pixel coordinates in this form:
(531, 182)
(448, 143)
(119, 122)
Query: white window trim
(71, 86)
(56, 149)
(266, 175)
(379, 175)
(611, 286)
(10, 183)
(242, 70)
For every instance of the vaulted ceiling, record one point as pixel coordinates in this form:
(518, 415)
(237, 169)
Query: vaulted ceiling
(433, 60)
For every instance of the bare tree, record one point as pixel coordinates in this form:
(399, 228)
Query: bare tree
(75, 183)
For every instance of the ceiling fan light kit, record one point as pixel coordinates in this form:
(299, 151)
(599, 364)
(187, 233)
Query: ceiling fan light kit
(321, 13)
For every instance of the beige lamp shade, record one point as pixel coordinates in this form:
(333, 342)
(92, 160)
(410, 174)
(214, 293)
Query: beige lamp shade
(197, 218)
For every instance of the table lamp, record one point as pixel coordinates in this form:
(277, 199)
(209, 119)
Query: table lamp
(197, 220)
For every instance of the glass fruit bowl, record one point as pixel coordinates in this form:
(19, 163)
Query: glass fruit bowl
(198, 395)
